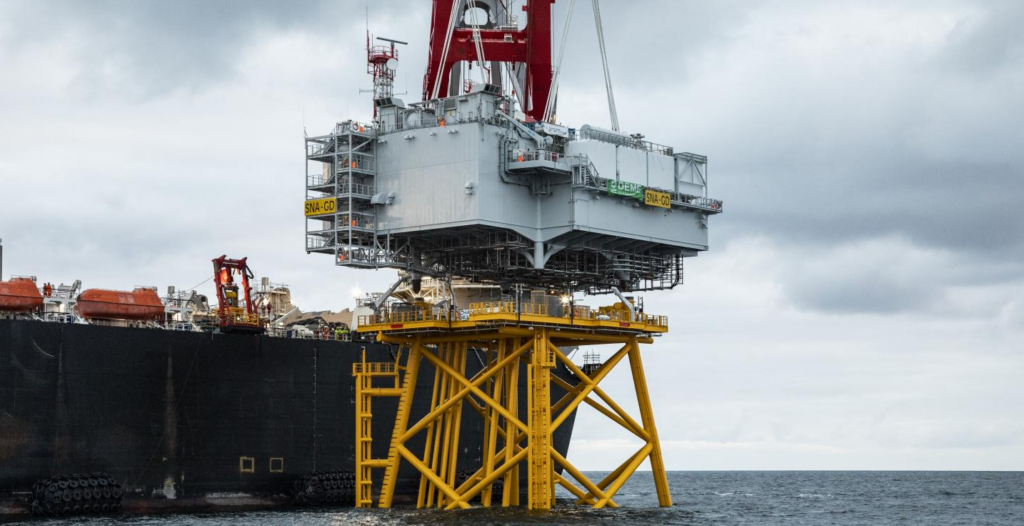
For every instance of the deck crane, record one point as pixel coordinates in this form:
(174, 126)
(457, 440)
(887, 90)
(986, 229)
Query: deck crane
(235, 308)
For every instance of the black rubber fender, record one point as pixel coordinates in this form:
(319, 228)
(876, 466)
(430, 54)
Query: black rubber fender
(325, 488)
(77, 494)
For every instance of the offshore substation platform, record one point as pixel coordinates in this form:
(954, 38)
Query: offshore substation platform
(479, 183)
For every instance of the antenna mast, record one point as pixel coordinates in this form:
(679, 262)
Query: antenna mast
(381, 63)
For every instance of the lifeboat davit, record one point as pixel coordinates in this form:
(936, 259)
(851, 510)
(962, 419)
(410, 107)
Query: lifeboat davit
(19, 295)
(139, 304)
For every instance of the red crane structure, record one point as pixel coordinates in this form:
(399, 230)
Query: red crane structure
(235, 315)
(530, 46)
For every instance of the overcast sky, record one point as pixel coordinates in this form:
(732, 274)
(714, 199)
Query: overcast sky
(862, 303)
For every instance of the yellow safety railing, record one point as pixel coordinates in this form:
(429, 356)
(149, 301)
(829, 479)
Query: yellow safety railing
(405, 316)
(240, 318)
(659, 321)
(507, 307)
(578, 312)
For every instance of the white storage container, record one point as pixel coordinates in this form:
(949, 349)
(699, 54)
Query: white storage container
(661, 171)
(602, 154)
(632, 165)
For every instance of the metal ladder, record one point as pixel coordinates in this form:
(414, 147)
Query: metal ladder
(542, 486)
(364, 373)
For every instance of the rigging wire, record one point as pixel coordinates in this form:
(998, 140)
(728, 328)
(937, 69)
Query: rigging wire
(549, 108)
(200, 283)
(480, 60)
(444, 51)
(604, 62)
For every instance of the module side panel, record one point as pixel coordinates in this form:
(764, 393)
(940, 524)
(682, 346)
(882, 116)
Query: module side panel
(626, 217)
(556, 212)
(502, 203)
(601, 155)
(661, 171)
(451, 179)
(428, 175)
(632, 165)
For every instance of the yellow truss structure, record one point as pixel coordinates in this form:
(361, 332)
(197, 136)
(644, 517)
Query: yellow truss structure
(513, 340)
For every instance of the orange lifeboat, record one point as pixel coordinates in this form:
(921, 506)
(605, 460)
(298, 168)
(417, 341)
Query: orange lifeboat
(19, 295)
(139, 304)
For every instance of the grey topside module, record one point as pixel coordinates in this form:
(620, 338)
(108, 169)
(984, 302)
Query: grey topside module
(456, 186)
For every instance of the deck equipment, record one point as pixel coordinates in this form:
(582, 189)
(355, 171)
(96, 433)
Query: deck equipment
(236, 313)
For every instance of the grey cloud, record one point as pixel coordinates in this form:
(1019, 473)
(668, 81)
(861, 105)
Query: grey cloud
(650, 43)
(144, 49)
(972, 207)
(846, 294)
(984, 44)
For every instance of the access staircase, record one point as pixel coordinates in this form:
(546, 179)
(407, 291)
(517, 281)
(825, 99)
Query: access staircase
(346, 227)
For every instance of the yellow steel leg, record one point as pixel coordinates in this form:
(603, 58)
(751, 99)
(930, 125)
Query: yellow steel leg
(428, 448)
(438, 428)
(458, 361)
(510, 496)
(539, 445)
(449, 420)
(647, 416)
(491, 426)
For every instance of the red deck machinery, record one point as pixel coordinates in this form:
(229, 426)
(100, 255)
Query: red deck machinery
(530, 47)
(236, 314)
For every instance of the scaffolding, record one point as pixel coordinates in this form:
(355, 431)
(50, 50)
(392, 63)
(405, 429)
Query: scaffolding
(516, 336)
(343, 185)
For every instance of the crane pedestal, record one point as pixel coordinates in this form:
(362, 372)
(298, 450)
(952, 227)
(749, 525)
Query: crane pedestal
(523, 345)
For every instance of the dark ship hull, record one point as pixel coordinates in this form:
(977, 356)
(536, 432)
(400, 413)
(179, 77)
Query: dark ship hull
(187, 420)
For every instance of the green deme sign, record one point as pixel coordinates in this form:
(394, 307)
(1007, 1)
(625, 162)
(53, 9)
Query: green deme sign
(626, 189)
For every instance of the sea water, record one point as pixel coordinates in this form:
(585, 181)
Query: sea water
(700, 498)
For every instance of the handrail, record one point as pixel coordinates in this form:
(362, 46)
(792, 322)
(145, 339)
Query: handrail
(509, 308)
(632, 142)
(357, 189)
(239, 318)
(593, 181)
(405, 316)
(536, 155)
(373, 368)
